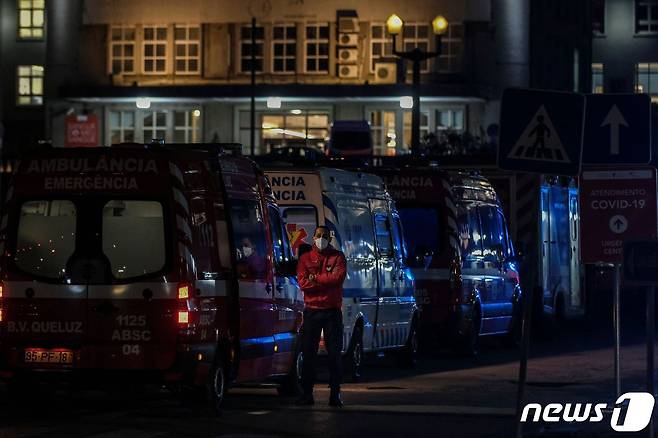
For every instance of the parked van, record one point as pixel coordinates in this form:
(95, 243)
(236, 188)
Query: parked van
(544, 220)
(350, 138)
(461, 255)
(379, 309)
(171, 261)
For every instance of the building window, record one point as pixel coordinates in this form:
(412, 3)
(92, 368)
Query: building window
(597, 78)
(122, 126)
(187, 126)
(598, 17)
(646, 78)
(416, 35)
(154, 124)
(245, 49)
(31, 19)
(122, 49)
(317, 48)
(449, 119)
(382, 125)
(155, 49)
(646, 16)
(381, 45)
(188, 45)
(294, 128)
(30, 85)
(424, 127)
(284, 48)
(452, 46)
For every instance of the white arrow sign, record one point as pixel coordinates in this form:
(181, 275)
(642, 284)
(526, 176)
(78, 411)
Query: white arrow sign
(614, 119)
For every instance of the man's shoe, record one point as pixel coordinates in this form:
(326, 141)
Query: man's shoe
(305, 400)
(334, 400)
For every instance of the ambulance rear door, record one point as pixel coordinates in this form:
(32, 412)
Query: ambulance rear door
(132, 311)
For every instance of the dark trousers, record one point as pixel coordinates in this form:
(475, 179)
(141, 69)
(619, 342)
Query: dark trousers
(331, 322)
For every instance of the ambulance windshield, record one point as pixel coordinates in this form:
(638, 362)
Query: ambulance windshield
(46, 237)
(126, 236)
(133, 237)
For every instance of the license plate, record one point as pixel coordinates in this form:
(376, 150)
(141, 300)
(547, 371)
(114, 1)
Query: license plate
(62, 357)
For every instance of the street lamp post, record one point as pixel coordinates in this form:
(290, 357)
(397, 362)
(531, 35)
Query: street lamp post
(394, 25)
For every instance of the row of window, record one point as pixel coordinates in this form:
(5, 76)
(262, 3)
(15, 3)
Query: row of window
(177, 126)
(646, 16)
(646, 78)
(276, 129)
(283, 39)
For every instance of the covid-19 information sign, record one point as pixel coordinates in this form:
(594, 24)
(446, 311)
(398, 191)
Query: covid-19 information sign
(615, 205)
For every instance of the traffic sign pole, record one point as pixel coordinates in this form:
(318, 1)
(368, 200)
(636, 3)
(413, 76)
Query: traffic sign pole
(651, 327)
(523, 361)
(617, 329)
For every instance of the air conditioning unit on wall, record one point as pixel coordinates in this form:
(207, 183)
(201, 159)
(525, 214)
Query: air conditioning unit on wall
(348, 24)
(385, 73)
(347, 56)
(348, 71)
(348, 39)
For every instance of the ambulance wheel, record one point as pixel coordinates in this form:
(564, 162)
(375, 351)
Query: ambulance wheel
(407, 356)
(292, 383)
(353, 359)
(216, 386)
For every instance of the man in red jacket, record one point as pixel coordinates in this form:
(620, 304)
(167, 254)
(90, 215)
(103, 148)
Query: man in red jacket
(321, 273)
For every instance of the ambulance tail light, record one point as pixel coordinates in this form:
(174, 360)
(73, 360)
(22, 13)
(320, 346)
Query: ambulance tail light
(187, 308)
(183, 291)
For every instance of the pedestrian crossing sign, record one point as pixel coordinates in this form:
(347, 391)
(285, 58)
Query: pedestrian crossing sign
(541, 131)
(540, 141)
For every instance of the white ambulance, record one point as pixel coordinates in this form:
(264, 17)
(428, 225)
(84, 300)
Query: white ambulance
(379, 309)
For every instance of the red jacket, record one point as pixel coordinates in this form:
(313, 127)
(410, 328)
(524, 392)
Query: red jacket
(326, 289)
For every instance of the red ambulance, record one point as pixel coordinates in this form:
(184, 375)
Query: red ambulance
(170, 261)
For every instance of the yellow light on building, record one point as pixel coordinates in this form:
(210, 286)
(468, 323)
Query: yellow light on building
(394, 24)
(439, 25)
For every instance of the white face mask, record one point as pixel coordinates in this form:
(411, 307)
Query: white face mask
(247, 251)
(321, 243)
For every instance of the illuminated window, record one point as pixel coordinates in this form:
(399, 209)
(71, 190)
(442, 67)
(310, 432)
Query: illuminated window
(187, 126)
(188, 44)
(416, 35)
(30, 85)
(646, 16)
(122, 126)
(122, 49)
(155, 50)
(277, 129)
(382, 126)
(452, 119)
(245, 49)
(424, 127)
(31, 19)
(381, 44)
(597, 78)
(646, 78)
(284, 48)
(317, 48)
